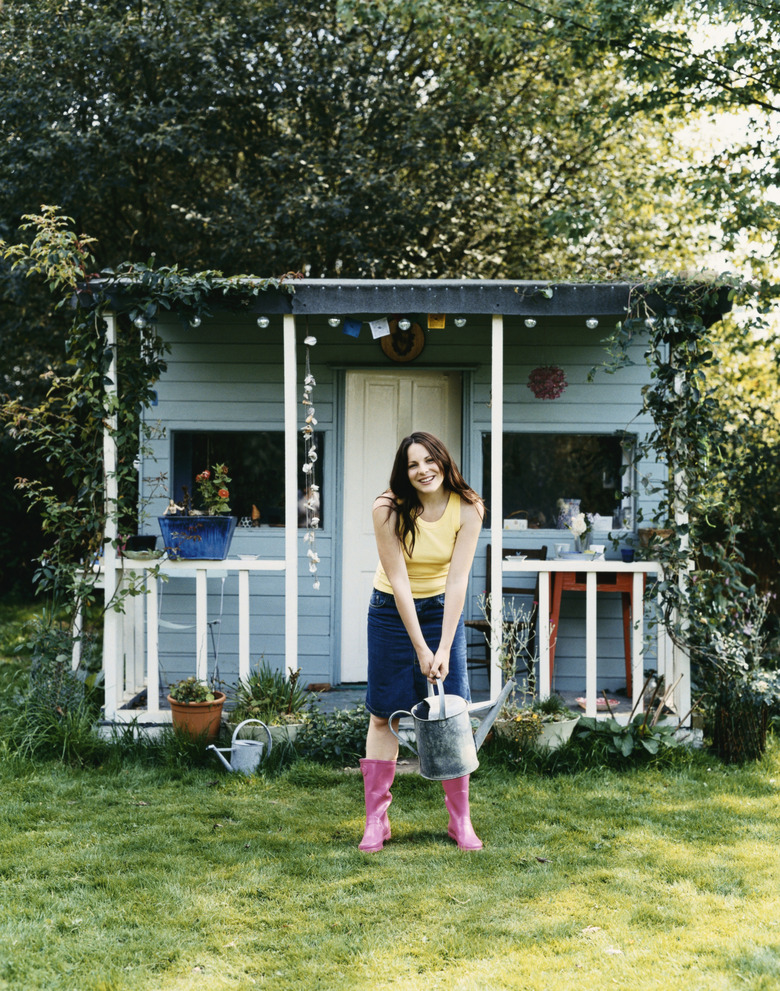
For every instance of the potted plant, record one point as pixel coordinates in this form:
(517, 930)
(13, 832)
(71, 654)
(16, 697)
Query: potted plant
(278, 701)
(538, 723)
(740, 688)
(196, 708)
(526, 720)
(581, 526)
(201, 533)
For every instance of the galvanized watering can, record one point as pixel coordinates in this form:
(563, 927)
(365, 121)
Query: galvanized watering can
(446, 746)
(245, 755)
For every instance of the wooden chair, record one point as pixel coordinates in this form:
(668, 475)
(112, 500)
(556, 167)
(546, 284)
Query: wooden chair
(531, 592)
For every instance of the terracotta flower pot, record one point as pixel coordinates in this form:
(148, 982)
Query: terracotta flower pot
(198, 719)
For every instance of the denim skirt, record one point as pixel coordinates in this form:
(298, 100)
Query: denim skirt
(395, 680)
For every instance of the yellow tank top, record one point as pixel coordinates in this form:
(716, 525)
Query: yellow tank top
(429, 566)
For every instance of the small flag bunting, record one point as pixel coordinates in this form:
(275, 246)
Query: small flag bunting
(379, 328)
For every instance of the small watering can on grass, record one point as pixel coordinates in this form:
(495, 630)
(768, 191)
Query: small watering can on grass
(446, 746)
(245, 755)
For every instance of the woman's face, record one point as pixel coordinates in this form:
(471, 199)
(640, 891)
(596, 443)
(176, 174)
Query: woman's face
(424, 474)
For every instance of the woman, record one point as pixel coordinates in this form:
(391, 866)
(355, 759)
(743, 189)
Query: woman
(427, 525)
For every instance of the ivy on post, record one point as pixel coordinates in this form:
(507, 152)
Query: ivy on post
(96, 409)
(703, 579)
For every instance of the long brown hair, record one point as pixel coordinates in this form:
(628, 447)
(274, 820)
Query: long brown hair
(407, 503)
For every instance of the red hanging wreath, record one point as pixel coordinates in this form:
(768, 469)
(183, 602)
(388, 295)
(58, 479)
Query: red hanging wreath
(547, 382)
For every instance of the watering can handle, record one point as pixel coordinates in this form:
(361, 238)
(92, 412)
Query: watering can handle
(241, 725)
(442, 696)
(401, 712)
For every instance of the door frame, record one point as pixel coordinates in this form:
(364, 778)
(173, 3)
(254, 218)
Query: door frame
(339, 437)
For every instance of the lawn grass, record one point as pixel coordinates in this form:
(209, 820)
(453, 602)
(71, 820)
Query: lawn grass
(150, 878)
(139, 877)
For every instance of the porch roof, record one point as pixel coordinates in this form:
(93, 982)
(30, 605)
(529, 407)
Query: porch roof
(337, 297)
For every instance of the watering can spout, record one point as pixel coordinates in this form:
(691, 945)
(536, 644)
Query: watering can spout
(490, 716)
(218, 752)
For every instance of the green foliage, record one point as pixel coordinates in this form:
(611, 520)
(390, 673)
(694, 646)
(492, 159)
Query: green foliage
(213, 489)
(337, 738)
(192, 690)
(67, 428)
(271, 697)
(53, 711)
(706, 586)
(265, 137)
(637, 741)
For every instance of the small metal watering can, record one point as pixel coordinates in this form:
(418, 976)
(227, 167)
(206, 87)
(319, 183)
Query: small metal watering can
(245, 755)
(446, 746)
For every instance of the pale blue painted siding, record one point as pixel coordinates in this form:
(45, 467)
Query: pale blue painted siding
(228, 373)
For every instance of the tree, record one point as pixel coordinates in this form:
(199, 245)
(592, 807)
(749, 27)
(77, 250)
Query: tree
(713, 62)
(402, 137)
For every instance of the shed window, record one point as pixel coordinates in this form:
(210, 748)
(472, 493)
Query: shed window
(255, 461)
(540, 469)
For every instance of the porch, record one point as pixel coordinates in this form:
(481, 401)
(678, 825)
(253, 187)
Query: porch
(138, 691)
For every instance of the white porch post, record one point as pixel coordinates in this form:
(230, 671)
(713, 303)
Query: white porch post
(591, 648)
(112, 669)
(290, 497)
(496, 500)
(243, 625)
(681, 659)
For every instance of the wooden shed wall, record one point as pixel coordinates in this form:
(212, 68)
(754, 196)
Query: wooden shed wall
(227, 374)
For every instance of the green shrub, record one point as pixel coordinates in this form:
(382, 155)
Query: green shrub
(271, 697)
(337, 738)
(55, 713)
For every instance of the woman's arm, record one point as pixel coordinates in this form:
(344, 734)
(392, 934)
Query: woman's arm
(394, 564)
(457, 583)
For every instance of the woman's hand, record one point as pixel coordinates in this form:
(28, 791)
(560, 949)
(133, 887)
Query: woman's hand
(440, 666)
(425, 659)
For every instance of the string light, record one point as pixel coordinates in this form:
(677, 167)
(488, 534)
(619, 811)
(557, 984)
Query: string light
(263, 322)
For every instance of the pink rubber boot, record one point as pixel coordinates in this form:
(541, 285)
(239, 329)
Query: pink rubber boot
(456, 798)
(377, 777)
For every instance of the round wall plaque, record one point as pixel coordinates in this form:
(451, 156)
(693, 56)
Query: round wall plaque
(403, 345)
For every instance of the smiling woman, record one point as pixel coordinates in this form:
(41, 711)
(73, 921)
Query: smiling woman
(427, 525)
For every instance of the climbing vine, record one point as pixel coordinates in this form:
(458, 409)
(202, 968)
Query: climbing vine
(67, 428)
(706, 584)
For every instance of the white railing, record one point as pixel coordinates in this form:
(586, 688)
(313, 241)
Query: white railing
(132, 663)
(672, 662)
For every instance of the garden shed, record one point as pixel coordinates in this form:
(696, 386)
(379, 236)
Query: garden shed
(317, 382)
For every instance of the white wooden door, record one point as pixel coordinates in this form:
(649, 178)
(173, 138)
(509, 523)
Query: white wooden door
(381, 409)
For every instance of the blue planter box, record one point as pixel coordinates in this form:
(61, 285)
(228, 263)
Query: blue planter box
(204, 537)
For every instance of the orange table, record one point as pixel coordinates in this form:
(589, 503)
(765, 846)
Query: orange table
(607, 581)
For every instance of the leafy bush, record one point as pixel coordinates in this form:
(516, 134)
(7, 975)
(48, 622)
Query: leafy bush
(637, 739)
(55, 713)
(271, 697)
(337, 738)
(191, 690)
